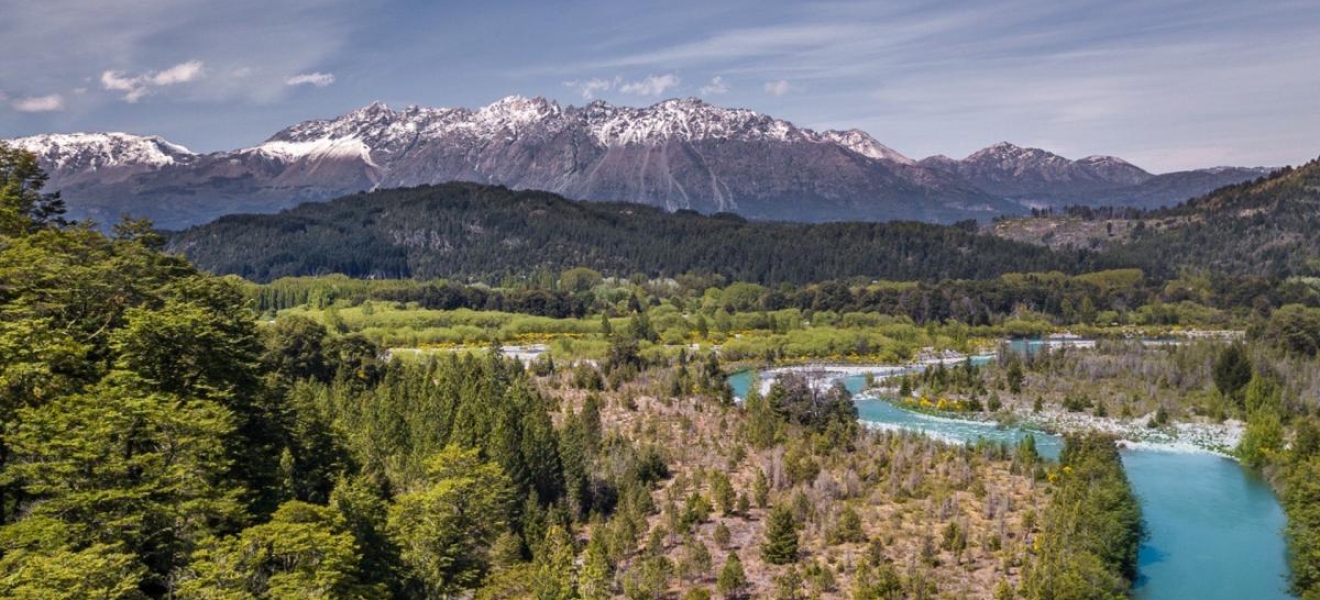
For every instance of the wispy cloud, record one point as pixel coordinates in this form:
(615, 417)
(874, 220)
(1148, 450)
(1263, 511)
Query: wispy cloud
(590, 88)
(716, 87)
(135, 87)
(778, 87)
(317, 79)
(652, 85)
(33, 104)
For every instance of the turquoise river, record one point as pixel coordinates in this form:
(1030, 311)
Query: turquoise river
(1214, 528)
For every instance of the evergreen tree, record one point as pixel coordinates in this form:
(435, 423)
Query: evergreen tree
(1232, 371)
(732, 581)
(554, 574)
(781, 537)
(446, 523)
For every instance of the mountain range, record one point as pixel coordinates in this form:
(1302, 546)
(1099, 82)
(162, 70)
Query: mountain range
(676, 154)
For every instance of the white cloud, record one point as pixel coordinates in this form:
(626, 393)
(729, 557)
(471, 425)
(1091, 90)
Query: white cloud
(716, 87)
(591, 87)
(778, 88)
(180, 73)
(137, 86)
(52, 102)
(652, 85)
(317, 79)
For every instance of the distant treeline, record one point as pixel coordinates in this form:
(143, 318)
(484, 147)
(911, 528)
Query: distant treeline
(477, 233)
(322, 292)
(1123, 295)
(1091, 213)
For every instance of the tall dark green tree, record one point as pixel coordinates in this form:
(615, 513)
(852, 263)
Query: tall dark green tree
(781, 537)
(1232, 372)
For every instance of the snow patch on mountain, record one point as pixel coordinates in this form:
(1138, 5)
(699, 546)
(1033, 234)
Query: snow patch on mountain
(862, 143)
(93, 151)
(349, 147)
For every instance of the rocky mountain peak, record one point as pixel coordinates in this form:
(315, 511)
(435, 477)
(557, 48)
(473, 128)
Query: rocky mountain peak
(63, 152)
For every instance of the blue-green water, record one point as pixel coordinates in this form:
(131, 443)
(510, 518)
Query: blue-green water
(1215, 529)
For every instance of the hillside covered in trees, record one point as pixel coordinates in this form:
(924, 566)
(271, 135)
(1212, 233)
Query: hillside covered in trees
(484, 233)
(1266, 227)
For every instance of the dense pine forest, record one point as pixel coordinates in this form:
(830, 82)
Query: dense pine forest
(471, 232)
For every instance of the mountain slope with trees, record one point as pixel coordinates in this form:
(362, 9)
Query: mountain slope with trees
(476, 232)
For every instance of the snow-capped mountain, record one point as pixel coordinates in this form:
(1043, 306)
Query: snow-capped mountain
(103, 156)
(1039, 178)
(679, 154)
(1032, 173)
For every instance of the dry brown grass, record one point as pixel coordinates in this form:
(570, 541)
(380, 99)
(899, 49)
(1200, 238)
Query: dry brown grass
(905, 488)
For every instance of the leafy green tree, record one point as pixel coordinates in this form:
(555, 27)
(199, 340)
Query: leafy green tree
(364, 514)
(1090, 534)
(1302, 501)
(138, 471)
(295, 349)
(781, 537)
(1262, 393)
(314, 444)
(304, 551)
(579, 279)
(446, 522)
(1263, 438)
(201, 343)
(1294, 328)
(23, 208)
(1232, 371)
(762, 424)
(34, 565)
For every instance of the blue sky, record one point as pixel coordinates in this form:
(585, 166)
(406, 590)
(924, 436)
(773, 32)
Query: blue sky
(1168, 84)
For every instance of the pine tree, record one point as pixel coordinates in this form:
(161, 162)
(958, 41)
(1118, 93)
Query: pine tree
(594, 578)
(553, 577)
(732, 581)
(1232, 371)
(761, 489)
(695, 561)
(781, 537)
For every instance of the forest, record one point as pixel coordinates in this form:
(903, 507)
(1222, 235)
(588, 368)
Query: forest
(161, 440)
(1261, 228)
(476, 233)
